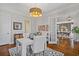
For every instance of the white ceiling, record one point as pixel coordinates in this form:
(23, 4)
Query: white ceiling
(23, 8)
(44, 6)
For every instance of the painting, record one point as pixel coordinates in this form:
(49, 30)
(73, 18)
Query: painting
(42, 27)
(17, 25)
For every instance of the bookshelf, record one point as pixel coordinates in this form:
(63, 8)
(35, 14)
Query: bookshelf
(64, 28)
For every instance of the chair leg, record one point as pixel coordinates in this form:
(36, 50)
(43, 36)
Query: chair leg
(43, 53)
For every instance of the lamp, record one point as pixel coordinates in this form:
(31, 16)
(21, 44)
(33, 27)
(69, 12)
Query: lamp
(35, 12)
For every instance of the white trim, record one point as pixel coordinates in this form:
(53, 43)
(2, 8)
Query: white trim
(50, 42)
(65, 22)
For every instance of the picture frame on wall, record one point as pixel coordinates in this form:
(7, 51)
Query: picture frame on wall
(42, 27)
(17, 25)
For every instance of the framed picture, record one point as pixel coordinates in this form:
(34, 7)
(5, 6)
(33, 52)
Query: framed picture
(17, 25)
(42, 27)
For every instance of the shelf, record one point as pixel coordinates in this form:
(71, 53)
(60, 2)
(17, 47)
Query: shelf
(64, 32)
(63, 36)
(63, 22)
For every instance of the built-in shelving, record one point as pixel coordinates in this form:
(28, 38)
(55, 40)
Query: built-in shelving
(63, 31)
(68, 29)
(63, 22)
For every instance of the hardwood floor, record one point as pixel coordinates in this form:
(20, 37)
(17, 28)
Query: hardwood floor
(4, 49)
(62, 46)
(65, 47)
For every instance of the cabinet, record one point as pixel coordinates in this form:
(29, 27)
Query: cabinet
(59, 29)
(64, 28)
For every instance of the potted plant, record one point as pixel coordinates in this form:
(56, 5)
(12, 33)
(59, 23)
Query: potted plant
(75, 30)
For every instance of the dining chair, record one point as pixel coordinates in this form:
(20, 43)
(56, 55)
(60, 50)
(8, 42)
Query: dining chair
(39, 44)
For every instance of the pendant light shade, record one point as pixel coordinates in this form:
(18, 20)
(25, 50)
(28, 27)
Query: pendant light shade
(35, 12)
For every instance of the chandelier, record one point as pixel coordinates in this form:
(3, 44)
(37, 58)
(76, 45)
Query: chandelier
(35, 12)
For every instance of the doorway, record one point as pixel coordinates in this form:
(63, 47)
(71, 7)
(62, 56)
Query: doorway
(27, 26)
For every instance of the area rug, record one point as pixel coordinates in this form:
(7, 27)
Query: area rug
(47, 52)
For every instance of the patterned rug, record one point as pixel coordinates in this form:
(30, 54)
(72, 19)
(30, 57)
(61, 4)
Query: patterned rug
(47, 52)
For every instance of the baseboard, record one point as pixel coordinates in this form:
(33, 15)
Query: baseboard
(52, 42)
(11, 43)
(4, 45)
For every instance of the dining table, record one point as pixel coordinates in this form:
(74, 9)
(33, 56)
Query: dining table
(24, 42)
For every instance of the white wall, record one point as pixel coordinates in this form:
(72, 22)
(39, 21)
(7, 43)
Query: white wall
(7, 17)
(37, 21)
(5, 34)
(71, 10)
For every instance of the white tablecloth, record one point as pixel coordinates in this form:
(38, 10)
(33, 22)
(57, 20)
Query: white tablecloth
(24, 43)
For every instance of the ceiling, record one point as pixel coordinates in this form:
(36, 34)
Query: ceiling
(23, 8)
(44, 6)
